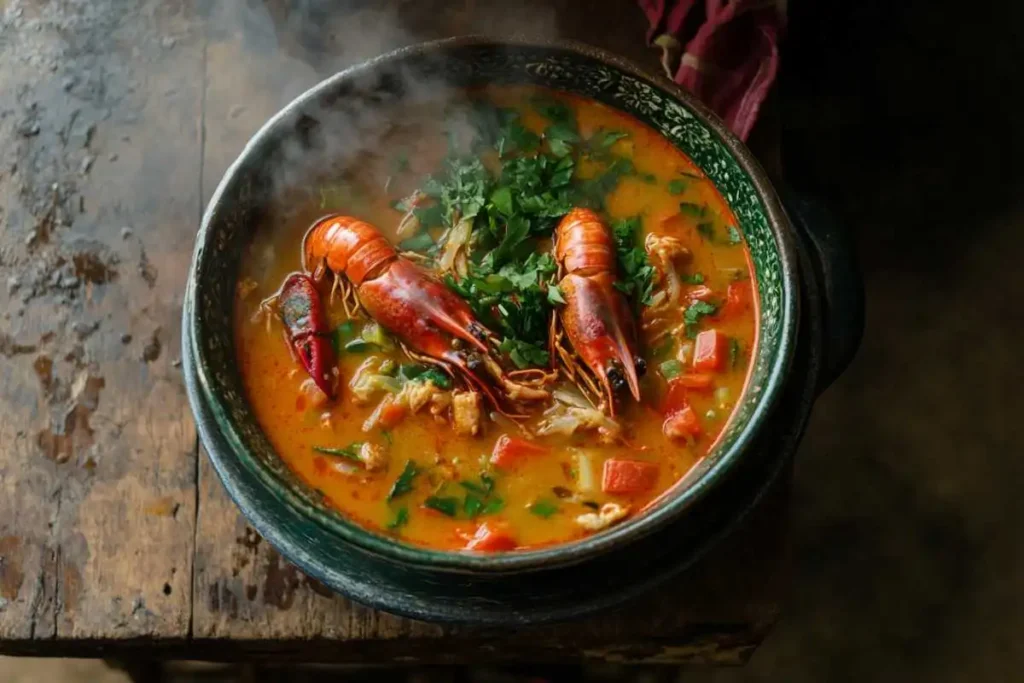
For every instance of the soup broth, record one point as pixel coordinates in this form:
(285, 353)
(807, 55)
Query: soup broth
(391, 450)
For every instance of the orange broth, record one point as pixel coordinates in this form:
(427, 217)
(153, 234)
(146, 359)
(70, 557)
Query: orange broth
(538, 501)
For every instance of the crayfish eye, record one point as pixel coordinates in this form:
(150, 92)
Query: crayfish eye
(641, 366)
(616, 379)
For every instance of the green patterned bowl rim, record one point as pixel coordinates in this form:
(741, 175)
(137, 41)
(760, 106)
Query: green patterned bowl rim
(572, 67)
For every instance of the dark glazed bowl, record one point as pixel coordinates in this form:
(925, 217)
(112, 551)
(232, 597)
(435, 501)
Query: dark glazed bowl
(526, 586)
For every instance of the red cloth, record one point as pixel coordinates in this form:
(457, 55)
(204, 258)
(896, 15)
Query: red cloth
(723, 51)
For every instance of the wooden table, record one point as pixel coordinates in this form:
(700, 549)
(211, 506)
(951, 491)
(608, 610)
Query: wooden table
(117, 120)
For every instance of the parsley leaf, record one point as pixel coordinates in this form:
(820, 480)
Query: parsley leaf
(734, 351)
(693, 210)
(461, 190)
(400, 519)
(555, 295)
(524, 354)
(446, 505)
(692, 316)
(637, 273)
(403, 484)
(543, 508)
(350, 452)
(676, 186)
(693, 279)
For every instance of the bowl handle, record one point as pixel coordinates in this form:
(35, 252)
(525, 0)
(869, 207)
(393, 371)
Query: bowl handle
(834, 262)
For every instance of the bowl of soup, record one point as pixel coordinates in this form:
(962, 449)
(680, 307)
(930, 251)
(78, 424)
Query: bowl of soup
(492, 331)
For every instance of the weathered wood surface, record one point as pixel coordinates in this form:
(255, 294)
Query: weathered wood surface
(116, 123)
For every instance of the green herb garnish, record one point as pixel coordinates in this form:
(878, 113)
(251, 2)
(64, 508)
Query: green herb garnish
(341, 334)
(734, 235)
(676, 186)
(707, 229)
(446, 505)
(693, 279)
(555, 295)
(637, 273)
(693, 210)
(734, 351)
(415, 372)
(400, 519)
(693, 315)
(671, 369)
(543, 508)
(403, 484)
(472, 505)
(493, 506)
(350, 452)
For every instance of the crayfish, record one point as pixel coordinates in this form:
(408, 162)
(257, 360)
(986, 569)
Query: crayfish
(596, 318)
(432, 323)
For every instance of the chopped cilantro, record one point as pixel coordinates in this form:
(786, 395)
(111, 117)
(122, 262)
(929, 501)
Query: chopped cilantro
(543, 508)
(555, 295)
(671, 369)
(493, 506)
(416, 372)
(472, 505)
(693, 315)
(693, 279)
(400, 519)
(446, 505)
(484, 488)
(734, 351)
(560, 138)
(734, 235)
(664, 348)
(555, 111)
(693, 210)
(403, 484)
(461, 189)
(637, 273)
(524, 354)
(676, 186)
(350, 452)
(707, 229)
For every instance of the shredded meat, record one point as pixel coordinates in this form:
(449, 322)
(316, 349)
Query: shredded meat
(373, 456)
(466, 412)
(567, 420)
(418, 394)
(666, 253)
(439, 404)
(609, 514)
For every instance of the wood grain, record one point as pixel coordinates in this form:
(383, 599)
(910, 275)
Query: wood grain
(98, 464)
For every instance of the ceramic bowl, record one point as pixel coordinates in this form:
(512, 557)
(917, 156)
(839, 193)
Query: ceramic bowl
(531, 585)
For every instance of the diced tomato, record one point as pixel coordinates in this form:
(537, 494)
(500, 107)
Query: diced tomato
(682, 424)
(696, 381)
(489, 538)
(737, 300)
(509, 450)
(701, 292)
(710, 351)
(391, 415)
(628, 476)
